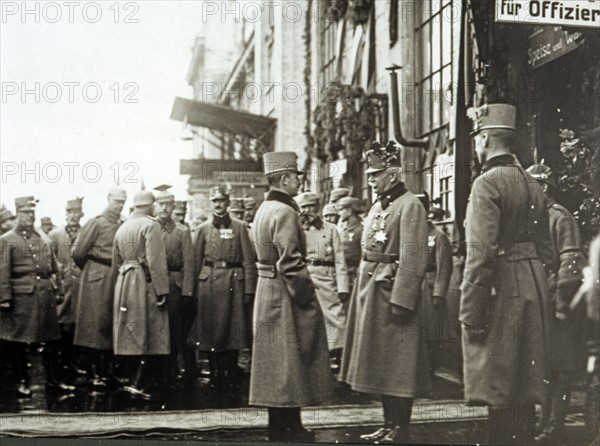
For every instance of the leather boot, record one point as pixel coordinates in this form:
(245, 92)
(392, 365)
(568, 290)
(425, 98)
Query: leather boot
(21, 370)
(54, 375)
(135, 387)
(554, 429)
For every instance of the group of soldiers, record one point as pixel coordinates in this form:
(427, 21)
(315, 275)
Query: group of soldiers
(313, 291)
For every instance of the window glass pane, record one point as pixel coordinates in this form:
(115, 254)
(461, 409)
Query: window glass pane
(446, 36)
(446, 2)
(436, 85)
(425, 6)
(425, 106)
(446, 93)
(435, 44)
(425, 51)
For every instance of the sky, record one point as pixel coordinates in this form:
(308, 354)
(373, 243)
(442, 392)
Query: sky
(99, 101)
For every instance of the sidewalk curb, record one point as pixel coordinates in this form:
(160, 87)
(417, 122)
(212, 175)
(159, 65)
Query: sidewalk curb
(78, 424)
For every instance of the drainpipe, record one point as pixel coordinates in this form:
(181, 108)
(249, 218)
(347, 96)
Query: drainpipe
(398, 135)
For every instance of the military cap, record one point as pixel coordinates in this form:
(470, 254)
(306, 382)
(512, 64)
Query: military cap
(381, 157)
(337, 193)
(236, 204)
(163, 195)
(25, 203)
(493, 116)
(46, 220)
(436, 213)
(75, 204)
(542, 173)
(143, 198)
(5, 215)
(180, 207)
(219, 193)
(274, 162)
(307, 198)
(351, 203)
(118, 192)
(329, 209)
(249, 203)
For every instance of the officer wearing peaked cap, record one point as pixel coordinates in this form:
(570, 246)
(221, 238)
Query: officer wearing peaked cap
(566, 333)
(181, 264)
(47, 225)
(93, 253)
(505, 281)
(7, 220)
(327, 268)
(225, 287)
(330, 213)
(30, 289)
(141, 292)
(179, 211)
(338, 193)
(286, 373)
(249, 210)
(63, 241)
(387, 298)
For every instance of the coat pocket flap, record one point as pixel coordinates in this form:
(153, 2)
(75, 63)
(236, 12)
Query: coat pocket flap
(204, 273)
(22, 286)
(386, 272)
(93, 276)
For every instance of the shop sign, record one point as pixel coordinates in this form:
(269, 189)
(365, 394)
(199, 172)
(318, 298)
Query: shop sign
(548, 43)
(574, 13)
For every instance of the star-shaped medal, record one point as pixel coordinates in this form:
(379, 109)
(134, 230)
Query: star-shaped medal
(380, 236)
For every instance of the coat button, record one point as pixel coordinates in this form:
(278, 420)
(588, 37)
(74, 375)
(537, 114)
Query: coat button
(38, 277)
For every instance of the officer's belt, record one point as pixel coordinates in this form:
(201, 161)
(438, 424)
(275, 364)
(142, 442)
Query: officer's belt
(29, 274)
(223, 264)
(174, 270)
(106, 262)
(379, 257)
(265, 270)
(320, 262)
(518, 251)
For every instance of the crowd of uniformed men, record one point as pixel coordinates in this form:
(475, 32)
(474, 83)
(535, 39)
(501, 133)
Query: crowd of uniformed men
(315, 292)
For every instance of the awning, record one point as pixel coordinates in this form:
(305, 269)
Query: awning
(219, 117)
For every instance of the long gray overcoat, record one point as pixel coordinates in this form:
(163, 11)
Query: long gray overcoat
(383, 355)
(140, 327)
(92, 252)
(221, 322)
(505, 287)
(290, 360)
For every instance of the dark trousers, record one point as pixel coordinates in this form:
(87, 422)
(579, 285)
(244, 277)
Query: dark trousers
(17, 351)
(284, 421)
(397, 411)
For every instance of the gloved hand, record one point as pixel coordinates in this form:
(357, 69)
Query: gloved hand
(343, 297)
(248, 298)
(161, 302)
(60, 299)
(5, 307)
(437, 302)
(401, 314)
(476, 334)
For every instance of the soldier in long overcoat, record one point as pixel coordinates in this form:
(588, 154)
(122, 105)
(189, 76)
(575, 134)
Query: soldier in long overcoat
(63, 240)
(225, 284)
(93, 252)
(435, 287)
(504, 304)
(327, 268)
(384, 352)
(290, 360)
(141, 281)
(30, 289)
(182, 275)
(567, 329)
